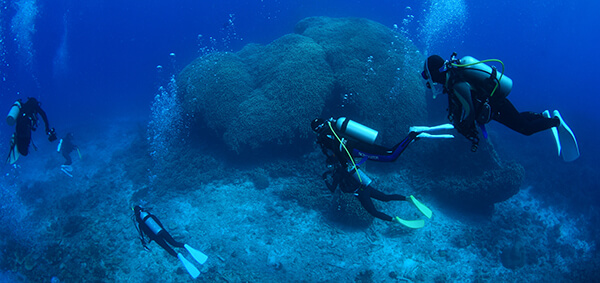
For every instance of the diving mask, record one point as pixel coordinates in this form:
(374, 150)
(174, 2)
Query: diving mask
(436, 88)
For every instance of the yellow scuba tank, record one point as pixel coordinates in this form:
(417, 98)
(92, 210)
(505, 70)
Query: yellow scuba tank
(13, 113)
(356, 130)
(476, 70)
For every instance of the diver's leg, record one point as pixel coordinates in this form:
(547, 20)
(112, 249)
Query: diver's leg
(526, 123)
(161, 242)
(378, 195)
(172, 241)
(365, 200)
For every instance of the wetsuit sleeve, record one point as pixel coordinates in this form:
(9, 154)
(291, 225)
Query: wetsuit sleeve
(462, 91)
(44, 117)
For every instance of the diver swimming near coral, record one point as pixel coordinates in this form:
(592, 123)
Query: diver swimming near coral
(65, 147)
(25, 116)
(149, 225)
(342, 140)
(477, 94)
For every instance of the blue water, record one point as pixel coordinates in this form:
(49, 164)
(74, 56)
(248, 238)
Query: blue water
(94, 61)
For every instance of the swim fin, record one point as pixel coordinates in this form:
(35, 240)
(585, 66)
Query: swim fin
(430, 136)
(554, 131)
(428, 129)
(414, 224)
(196, 254)
(424, 209)
(191, 269)
(568, 143)
(13, 154)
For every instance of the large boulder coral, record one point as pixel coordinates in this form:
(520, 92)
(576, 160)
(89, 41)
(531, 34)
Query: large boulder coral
(265, 95)
(262, 95)
(378, 66)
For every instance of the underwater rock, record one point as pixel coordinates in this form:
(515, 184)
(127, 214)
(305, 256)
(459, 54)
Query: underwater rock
(470, 181)
(378, 66)
(513, 256)
(266, 95)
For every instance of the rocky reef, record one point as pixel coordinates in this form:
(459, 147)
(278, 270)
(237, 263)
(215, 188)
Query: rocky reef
(263, 97)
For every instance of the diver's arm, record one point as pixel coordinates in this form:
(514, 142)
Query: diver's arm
(44, 117)
(462, 90)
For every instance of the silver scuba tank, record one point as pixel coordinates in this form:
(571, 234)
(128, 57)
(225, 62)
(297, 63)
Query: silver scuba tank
(482, 71)
(363, 180)
(356, 130)
(13, 113)
(154, 227)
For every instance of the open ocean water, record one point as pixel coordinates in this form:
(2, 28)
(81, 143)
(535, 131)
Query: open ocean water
(228, 177)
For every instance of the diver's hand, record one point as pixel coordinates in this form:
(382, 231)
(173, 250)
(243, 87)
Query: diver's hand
(51, 134)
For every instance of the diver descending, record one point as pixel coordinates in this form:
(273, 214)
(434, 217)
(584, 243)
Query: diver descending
(477, 94)
(343, 140)
(65, 147)
(25, 116)
(149, 225)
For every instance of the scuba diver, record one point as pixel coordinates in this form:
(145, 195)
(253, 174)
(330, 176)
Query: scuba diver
(65, 147)
(343, 140)
(147, 224)
(477, 94)
(25, 116)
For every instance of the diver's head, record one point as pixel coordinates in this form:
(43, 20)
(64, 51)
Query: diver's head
(434, 71)
(137, 209)
(32, 100)
(317, 124)
(69, 136)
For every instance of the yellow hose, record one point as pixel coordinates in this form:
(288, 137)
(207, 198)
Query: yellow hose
(347, 152)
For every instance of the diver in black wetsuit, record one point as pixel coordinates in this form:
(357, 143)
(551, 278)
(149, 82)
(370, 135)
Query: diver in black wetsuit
(341, 149)
(66, 147)
(27, 121)
(149, 225)
(477, 94)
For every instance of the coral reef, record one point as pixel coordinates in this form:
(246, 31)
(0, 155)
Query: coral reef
(265, 95)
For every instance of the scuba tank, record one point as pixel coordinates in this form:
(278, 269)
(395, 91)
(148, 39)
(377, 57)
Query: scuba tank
(13, 113)
(145, 216)
(475, 70)
(59, 147)
(363, 179)
(356, 130)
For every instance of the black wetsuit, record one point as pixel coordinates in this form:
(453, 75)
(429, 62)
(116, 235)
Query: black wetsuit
(339, 160)
(27, 122)
(343, 179)
(466, 108)
(66, 148)
(162, 238)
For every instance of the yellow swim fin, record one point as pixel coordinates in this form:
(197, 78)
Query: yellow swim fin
(424, 209)
(415, 224)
